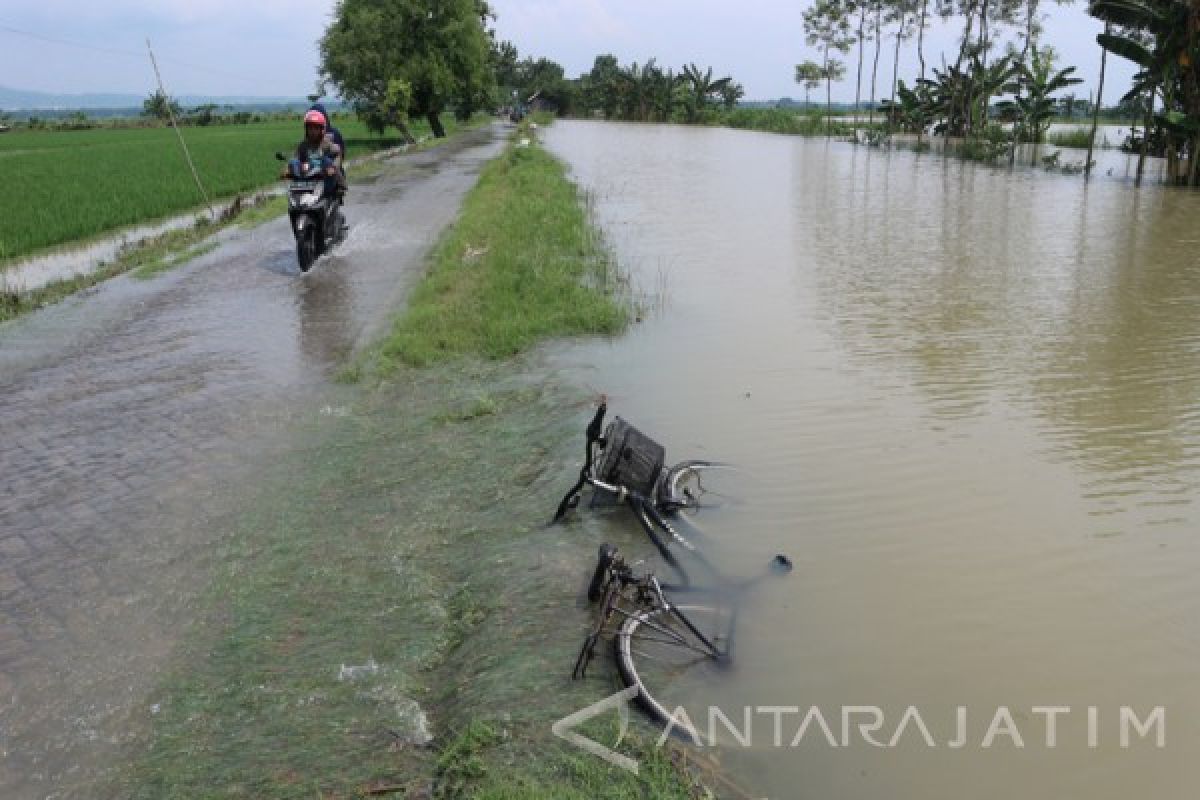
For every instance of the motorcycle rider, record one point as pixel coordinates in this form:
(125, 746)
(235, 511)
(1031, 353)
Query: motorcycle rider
(317, 147)
(330, 129)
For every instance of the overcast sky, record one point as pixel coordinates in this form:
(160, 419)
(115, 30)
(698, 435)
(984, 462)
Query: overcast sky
(268, 47)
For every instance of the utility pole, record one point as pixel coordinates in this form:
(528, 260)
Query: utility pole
(171, 115)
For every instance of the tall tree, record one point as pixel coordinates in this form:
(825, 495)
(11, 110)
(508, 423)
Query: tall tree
(503, 59)
(160, 106)
(439, 48)
(603, 85)
(809, 74)
(1087, 173)
(878, 48)
(903, 12)
(827, 25)
(863, 7)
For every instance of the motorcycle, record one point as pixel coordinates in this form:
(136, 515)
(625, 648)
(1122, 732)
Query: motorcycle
(314, 209)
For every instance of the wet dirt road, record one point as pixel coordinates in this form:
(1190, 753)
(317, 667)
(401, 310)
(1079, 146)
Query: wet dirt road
(129, 417)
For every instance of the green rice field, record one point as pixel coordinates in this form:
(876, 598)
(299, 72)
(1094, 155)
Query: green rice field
(66, 186)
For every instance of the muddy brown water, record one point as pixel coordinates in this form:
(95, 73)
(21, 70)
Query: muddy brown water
(129, 418)
(968, 401)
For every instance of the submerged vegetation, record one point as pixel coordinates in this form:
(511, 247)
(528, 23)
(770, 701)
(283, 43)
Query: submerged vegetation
(1076, 137)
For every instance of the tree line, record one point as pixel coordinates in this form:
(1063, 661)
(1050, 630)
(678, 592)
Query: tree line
(396, 59)
(642, 92)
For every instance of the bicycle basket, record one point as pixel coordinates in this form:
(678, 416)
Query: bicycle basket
(630, 458)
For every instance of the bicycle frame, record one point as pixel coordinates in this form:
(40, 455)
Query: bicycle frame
(649, 595)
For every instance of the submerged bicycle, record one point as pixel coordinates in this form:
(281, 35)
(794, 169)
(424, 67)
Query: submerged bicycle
(626, 466)
(657, 643)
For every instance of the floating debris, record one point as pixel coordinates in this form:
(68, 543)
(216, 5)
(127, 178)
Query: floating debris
(358, 673)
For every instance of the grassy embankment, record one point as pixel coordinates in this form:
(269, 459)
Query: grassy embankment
(418, 551)
(57, 158)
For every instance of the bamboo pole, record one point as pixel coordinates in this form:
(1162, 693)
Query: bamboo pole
(171, 115)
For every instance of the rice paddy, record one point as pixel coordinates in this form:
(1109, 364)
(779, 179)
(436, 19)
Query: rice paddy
(66, 186)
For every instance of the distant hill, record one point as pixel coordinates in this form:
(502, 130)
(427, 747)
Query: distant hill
(23, 100)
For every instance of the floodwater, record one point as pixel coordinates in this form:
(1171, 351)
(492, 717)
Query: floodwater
(967, 401)
(133, 420)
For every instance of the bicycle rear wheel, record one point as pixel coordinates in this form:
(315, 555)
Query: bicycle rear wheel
(672, 667)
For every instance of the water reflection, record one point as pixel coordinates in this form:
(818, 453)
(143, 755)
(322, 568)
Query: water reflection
(326, 314)
(1037, 290)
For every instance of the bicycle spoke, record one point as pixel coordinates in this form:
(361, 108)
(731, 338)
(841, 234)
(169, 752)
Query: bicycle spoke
(678, 638)
(701, 650)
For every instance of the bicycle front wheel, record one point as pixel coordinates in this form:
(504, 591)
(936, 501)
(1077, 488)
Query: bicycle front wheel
(671, 662)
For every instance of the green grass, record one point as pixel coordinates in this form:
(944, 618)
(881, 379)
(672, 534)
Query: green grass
(777, 120)
(173, 259)
(981, 148)
(522, 263)
(74, 185)
(1076, 137)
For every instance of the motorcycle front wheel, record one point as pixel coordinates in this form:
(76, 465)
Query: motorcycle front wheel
(306, 248)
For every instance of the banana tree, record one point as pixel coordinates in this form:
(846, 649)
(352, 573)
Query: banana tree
(912, 110)
(987, 81)
(1033, 105)
(947, 91)
(703, 88)
(1163, 38)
